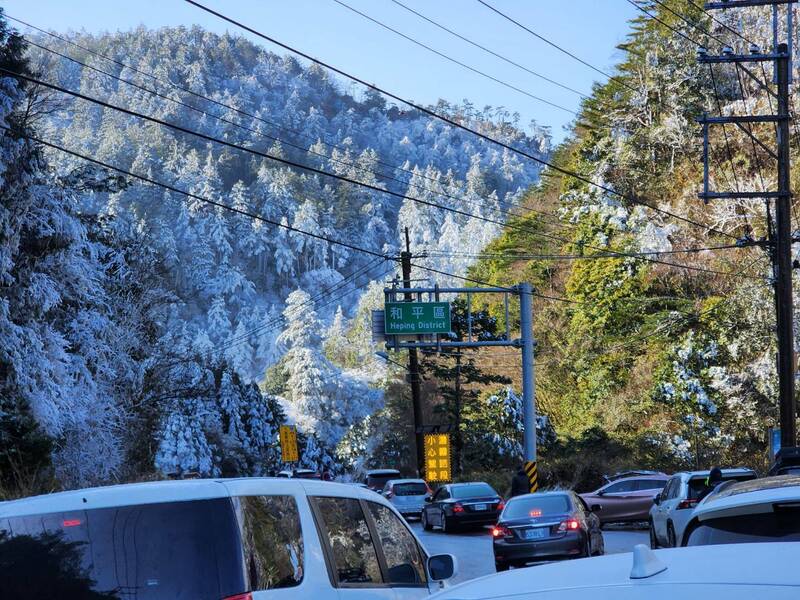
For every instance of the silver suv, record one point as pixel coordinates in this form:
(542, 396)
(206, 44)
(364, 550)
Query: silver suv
(407, 495)
(673, 507)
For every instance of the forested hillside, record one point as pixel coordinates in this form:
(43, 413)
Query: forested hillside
(660, 357)
(137, 323)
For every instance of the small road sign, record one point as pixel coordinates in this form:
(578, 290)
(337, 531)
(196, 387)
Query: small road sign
(437, 457)
(412, 318)
(288, 435)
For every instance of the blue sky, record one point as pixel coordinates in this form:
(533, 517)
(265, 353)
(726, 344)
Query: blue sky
(590, 29)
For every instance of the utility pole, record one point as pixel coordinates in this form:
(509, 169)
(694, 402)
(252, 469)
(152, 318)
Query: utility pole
(528, 383)
(413, 367)
(780, 241)
(458, 441)
(783, 258)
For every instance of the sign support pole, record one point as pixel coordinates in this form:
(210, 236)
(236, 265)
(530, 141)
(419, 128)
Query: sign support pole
(413, 368)
(528, 382)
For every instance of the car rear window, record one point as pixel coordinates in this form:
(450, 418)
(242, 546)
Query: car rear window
(473, 490)
(537, 506)
(379, 481)
(783, 525)
(410, 489)
(698, 484)
(177, 550)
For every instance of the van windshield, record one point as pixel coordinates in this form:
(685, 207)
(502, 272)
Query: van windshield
(176, 550)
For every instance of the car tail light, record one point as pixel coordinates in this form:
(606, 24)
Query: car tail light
(458, 508)
(245, 596)
(688, 503)
(569, 525)
(499, 531)
(71, 523)
(501, 505)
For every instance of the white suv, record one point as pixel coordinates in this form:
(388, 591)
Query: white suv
(673, 507)
(232, 539)
(762, 510)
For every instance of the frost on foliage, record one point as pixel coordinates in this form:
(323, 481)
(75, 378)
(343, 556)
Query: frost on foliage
(320, 398)
(184, 447)
(497, 426)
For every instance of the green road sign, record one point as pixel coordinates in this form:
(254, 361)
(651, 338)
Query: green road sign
(411, 318)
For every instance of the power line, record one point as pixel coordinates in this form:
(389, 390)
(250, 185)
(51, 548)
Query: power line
(600, 255)
(273, 124)
(485, 49)
(258, 217)
(552, 219)
(453, 123)
(328, 174)
(556, 46)
(454, 60)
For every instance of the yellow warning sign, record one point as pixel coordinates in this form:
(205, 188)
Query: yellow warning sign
(437, 457)
(289, 444)
(533, 475)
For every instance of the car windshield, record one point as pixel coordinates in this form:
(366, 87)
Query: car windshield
(783, 525)
(537, 506)
(410, 489)
(473, 490)
(698, 484)
(151, 551)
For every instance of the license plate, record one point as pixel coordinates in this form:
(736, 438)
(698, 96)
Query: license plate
(535, 534)
(480, 507)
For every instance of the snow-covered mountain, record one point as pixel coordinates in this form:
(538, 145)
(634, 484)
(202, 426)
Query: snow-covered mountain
(232, 274)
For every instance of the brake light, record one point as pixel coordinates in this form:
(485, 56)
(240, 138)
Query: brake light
(501, 505)
(688, 503)
(458, 508)
(501, 531)
(245, 596)
(569, 525)
(71, 523)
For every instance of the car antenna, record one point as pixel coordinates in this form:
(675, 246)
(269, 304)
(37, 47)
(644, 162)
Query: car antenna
(645, 563)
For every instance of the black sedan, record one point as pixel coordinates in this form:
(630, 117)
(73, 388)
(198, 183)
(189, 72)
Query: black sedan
(545, 526)
(462, 504)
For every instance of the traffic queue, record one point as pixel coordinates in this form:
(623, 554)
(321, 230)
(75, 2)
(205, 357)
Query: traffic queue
(300, 536)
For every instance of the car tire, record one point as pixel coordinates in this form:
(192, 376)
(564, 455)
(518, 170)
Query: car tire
(445, 528)
(653, 537)
(587, 549)
(425, 524)
(501, 566)
(671, 540)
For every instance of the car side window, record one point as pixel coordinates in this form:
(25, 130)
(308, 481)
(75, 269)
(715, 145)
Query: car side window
(649, 484)
(619, 487)
(404, 560)
(272, 540)
(441, 494)
(345, 528)
(672, 489)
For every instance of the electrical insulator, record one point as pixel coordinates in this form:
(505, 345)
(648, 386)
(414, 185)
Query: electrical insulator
(727, 51)
(702, 52)
(754, 49)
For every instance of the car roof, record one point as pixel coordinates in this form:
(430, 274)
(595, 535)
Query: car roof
(155, 492)
(707, 472)
(659, 477)
(732, 564)
(396, 481)
(545, 493)
(383, 472)
(747, 497)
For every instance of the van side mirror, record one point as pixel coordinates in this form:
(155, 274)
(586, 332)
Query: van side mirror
(428, 499)
(657, 499)
(442, 566)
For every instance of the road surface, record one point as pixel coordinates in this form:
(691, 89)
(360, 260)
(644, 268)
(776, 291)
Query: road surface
(473, 549)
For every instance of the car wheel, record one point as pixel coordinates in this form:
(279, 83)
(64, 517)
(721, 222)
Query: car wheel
(587, 549)
(671, 536)
(653, 538)
(445, 529)
(424, 518)
(500, 566)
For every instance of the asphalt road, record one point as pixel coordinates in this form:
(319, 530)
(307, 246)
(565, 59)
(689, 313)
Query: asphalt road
(473, 549)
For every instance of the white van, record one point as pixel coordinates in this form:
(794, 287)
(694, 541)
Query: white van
(226, 539)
